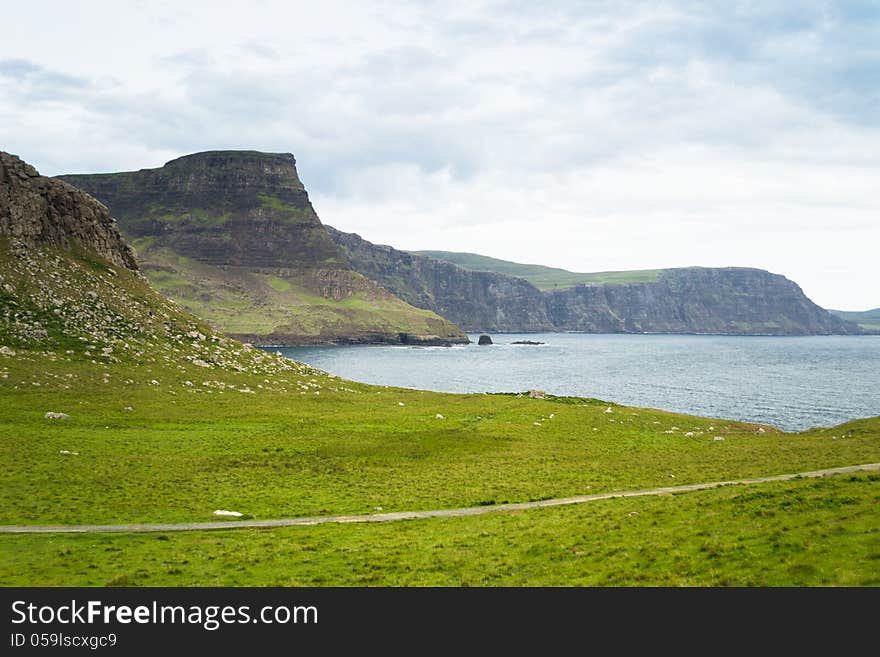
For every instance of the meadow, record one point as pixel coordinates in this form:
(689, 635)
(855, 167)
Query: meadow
(165, 441)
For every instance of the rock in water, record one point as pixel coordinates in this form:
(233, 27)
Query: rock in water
(484, 339)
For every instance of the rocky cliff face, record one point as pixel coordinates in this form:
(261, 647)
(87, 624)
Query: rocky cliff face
(695, 300)
(37, 211)
(233, 238)
(692, 300)
(238, 208)
(482, 301)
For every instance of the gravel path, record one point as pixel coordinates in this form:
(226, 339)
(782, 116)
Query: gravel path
(413, 515)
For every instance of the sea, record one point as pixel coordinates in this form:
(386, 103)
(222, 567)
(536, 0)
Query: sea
(792, 383)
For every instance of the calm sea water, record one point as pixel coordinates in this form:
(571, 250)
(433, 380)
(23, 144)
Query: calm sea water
(789, 382)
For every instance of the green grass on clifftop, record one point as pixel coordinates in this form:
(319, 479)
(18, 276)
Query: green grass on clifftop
(867, 319)
(544, 278)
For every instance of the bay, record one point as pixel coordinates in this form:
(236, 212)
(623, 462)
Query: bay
(789, 382)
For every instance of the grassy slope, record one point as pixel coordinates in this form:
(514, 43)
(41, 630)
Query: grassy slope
(170, 426)
(240, 301)
(867, 319)
(544, 278)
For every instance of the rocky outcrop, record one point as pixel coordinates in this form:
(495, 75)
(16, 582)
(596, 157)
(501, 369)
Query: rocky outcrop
(228, 208)
(232, 236)
(481, 301)
(691, 300)
(37, 211)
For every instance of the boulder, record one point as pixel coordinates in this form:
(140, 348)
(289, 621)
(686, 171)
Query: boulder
(484, 339)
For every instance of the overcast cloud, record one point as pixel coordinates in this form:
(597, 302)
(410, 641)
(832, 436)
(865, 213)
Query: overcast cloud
(585, 135)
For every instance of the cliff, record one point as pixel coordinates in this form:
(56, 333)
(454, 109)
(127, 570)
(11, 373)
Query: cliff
(481, 301)
(691, 300)
(38, 211)
(228, 208)
(867, 320)
(232, 236)
(728, 300)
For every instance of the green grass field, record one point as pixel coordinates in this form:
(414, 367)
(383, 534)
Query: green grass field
(290, 445)
(301, 443)
(795, 533)
(544, 278)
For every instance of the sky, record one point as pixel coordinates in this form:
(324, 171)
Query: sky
(586, 135)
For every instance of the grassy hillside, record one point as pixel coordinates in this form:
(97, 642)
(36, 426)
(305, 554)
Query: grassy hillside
(278, 305)
(544, 278)
(867, 319)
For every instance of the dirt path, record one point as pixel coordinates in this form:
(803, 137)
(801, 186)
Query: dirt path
(413, 515)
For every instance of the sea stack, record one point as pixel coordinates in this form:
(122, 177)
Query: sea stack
(484, 339)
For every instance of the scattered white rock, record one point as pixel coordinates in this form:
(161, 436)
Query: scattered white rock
(689, 434)
(154, 382)
(67, 453)
(608, 410)
(401, 404)
(440, 417)
(552, 415)
(6, 351)
(537, 394)
(128, 408)
(718, 438)
(378, 508)
(760, 430)
(632, 513)
(671, 476)
(52, 415)
(229, 514)
(537, 424)
(188, 384)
